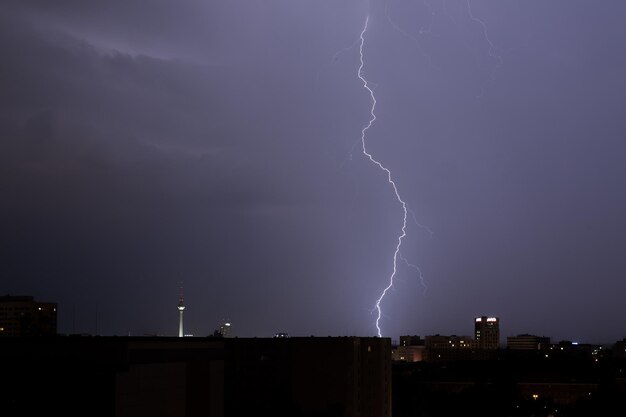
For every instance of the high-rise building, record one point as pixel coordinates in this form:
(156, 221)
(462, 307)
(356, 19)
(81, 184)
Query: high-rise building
(487, 332)
(226, 329)
(23, 316)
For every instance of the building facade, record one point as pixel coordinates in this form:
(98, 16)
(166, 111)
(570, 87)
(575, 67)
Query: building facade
(527, 342)
(449, 348)
(487, 332)
(410, 349)
(226, 329)
(23, 316)
(190, 377)
(312, 376)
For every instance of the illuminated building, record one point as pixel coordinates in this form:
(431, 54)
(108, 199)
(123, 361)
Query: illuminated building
(487, 332)
(23, 316)
(448, 348)
(226, 329)
(411, 349)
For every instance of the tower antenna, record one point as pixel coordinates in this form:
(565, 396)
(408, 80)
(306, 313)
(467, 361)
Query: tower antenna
(181, 308)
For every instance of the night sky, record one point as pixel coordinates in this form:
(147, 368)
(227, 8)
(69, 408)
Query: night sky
(148, 142)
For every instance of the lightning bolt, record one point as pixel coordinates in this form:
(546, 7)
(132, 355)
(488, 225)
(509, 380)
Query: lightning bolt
(390, 180)
(404, 33)
(492, 48)
(420, 225)
(416, 268)
(397, 255)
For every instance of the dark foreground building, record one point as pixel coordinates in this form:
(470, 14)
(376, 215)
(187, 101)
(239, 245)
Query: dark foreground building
(120, 376)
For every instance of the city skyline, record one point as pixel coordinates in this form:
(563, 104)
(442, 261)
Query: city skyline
(486, 335)
(147, 143)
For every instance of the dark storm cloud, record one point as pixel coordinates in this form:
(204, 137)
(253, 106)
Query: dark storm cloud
(127, 172)
(145, 143)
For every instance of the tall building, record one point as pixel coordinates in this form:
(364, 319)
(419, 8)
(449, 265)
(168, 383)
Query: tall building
(226, 329)
(487, 332)
(23, 316)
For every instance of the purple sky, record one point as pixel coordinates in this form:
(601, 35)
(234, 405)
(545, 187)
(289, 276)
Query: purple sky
(145, 142)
